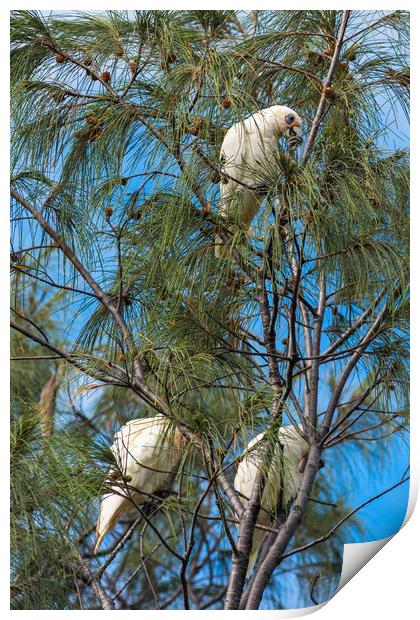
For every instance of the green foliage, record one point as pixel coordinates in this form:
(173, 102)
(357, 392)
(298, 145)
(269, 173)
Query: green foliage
(52, 490)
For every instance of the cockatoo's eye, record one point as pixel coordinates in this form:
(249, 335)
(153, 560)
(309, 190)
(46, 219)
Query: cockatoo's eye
(289, 119)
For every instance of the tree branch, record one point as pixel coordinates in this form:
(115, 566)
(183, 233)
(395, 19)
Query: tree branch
(327, 84)
(63, 354)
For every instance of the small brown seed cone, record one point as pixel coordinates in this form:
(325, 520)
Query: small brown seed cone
(226, 103)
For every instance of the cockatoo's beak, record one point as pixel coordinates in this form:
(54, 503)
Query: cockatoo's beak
(293, 134)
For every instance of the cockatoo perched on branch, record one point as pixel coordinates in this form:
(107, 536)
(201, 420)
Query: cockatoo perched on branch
(284, 478)
(147, 452)
(249, 147)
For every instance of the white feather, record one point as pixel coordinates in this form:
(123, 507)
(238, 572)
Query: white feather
(247, 150)
(283, 476)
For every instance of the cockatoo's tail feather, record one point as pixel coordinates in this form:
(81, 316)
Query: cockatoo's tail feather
(112, 506)
(257, 541)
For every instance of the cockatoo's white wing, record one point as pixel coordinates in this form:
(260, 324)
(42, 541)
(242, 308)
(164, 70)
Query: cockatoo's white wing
(244, 154)
(146, 452)
(236, 167)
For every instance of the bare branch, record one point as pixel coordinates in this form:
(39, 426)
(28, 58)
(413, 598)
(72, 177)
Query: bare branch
(333, 530)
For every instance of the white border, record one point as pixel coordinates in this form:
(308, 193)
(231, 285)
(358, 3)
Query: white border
(388, 586)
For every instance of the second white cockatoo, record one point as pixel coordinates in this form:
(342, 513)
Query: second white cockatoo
(147, 452)
(283, 479)
(248, 150)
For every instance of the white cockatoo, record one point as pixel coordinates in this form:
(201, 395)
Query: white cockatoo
(284, 477)
(147, 452)
(248, 149)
